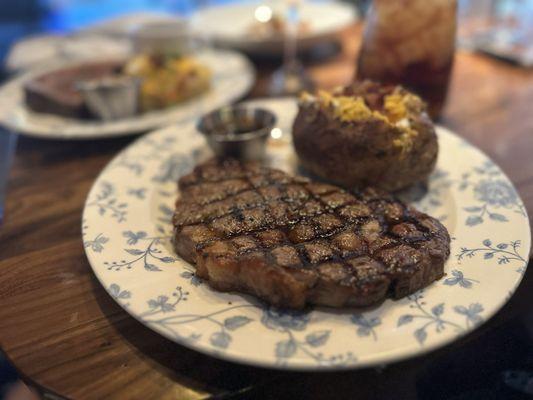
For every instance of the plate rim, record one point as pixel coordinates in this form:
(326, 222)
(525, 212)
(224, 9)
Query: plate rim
(399, 354)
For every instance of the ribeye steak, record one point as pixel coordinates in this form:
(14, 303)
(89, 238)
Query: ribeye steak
(292, 241)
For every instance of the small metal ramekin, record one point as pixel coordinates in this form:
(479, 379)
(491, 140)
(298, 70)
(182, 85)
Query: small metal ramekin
(238, 131)
(111, 98)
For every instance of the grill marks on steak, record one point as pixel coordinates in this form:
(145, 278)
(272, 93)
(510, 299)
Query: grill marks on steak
(292, 241)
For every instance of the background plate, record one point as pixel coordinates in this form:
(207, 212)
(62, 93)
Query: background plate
(127, 237)
(229, 25)
(233, 76)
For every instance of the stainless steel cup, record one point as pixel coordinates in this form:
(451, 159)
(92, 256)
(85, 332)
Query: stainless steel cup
(237, 131)
(111, 98)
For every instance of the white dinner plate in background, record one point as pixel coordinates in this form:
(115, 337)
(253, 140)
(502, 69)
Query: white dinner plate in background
(233, 76)
(229, 25)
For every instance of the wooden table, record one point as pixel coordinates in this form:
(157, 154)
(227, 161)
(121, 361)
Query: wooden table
(67, 336)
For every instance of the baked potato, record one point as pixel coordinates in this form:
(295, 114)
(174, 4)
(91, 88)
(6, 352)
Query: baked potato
(366, 134)
(168, 80)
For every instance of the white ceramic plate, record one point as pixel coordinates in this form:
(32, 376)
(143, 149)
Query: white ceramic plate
(229, 25)
(127, 233)
(233, 76)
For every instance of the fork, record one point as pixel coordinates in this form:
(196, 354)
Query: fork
(8, 144)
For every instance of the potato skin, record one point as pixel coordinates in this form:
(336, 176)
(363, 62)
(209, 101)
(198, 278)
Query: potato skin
(362, 153)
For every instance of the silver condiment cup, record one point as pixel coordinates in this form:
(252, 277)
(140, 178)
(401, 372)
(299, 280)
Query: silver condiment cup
(237, 131)
(111, 98)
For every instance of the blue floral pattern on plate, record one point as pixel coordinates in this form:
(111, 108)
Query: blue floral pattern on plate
(127, 235)
(107, 204)
(504, 253)
(458, 278)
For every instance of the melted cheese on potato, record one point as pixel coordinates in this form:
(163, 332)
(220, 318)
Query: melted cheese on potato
(397, 109)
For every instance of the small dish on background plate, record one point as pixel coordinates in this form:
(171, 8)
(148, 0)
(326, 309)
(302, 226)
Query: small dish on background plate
(127, 234)
(111, 98)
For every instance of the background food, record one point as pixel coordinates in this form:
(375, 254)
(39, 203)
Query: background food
(168, 80)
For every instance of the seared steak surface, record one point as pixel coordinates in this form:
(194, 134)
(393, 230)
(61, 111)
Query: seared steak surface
(292, 242)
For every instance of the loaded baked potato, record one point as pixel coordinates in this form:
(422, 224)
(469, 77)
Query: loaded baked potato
(366, 134)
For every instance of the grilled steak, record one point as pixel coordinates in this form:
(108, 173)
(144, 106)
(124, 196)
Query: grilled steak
(292, 242)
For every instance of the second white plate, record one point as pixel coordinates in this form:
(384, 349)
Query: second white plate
(229, 25)
(233, 76)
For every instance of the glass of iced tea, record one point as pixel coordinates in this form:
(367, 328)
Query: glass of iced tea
(412, 43)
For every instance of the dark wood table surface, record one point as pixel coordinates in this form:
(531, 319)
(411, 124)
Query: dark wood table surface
(66, 336)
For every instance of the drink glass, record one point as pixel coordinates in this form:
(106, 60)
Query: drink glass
(412, 43)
